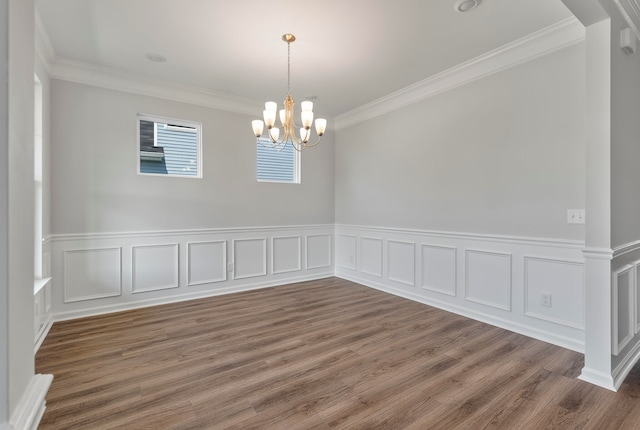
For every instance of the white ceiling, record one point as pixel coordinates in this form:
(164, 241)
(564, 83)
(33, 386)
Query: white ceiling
(348, 52)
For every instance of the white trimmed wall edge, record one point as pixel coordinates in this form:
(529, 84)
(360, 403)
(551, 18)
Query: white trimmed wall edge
(30, 409)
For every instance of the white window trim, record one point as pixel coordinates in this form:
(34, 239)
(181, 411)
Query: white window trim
(167, 120)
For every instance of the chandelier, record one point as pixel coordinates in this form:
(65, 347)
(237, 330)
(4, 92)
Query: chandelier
(300, 141)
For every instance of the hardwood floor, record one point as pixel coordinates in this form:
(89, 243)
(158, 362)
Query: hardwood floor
(327, 354)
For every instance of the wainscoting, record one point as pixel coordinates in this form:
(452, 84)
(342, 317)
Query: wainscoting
(95, 274)
(42, 312)
(625, 310)
(534, 287)
(496, 279)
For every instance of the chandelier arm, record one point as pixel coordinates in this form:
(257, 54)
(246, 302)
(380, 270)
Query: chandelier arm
(277, 145)
(311, 145)
(301, 146)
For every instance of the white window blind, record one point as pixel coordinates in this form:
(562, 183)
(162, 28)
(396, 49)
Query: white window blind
(277, 166)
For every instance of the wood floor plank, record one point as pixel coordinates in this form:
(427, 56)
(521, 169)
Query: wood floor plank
(325, 354)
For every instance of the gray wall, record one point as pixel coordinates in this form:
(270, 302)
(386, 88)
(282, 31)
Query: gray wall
(625, 175)
(16, 266)
(625, 138)
(501, 155)
(4, 213)
(95, 187)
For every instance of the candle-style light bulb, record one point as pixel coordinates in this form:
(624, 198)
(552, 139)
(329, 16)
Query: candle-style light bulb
(269, 117)
(274, 133)
(258, 126)
(321, 126)
(307, 119)
(304, 135)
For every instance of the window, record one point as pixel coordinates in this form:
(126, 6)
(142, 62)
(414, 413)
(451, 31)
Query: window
(277, 166)
(169, 147)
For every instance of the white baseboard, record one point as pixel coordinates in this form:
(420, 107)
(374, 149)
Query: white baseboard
(625, 366)
(43, 334)
(101, 310)
(598, 378)
(500, 280)
(544, 336)
(31, 407)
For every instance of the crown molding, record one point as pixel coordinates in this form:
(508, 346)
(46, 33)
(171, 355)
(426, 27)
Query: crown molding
(539, 43)
(105, 77)
(547, 40)
(43, 45)
(630, 11)
(115, 79)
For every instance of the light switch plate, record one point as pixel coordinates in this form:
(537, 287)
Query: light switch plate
(575, 216)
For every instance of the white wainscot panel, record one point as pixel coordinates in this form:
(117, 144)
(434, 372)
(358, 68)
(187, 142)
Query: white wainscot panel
(371, 256)
(561, 281)
(346, 251)
(249, 258)
(285, 254)
(154, 267)
(92, 274)
(439, 269)
(46, 265)
(622, 303)
(488, 278)
(318, 251)
(207, 262)
(401, 262)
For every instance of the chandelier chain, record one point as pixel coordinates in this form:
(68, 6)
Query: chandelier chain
(288, 67)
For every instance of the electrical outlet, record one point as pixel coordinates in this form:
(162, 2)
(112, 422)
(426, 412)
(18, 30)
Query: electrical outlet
(229, 267)
(545, 299)
(575, 216)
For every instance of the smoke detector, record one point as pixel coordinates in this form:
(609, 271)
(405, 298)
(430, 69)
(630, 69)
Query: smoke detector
(465, 5)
